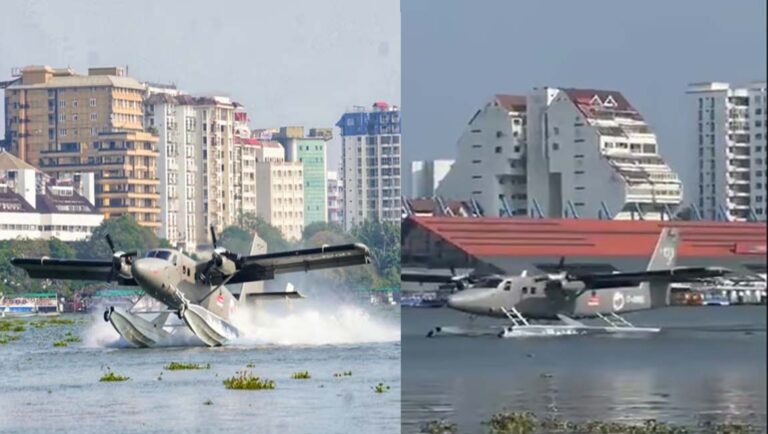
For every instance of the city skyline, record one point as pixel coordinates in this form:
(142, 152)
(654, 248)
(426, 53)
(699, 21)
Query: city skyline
(279, 80)
(450, 70)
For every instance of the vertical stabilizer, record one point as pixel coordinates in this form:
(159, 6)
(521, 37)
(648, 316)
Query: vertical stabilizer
(258, 247)
(664, 257)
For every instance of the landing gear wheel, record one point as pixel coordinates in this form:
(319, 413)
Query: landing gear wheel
(106, 315)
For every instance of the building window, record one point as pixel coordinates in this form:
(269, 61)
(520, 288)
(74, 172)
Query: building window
(94, 116)
(62, 104)
(498, 150)
(74, 117)
(92, 102)
(555, 146)
(74, 103)
(556, 131)
(62, 117)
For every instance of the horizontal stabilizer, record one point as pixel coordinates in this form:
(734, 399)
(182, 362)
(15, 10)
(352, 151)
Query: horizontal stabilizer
(273, 295)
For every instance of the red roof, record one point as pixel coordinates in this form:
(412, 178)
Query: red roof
(488, 236)
(247, 141)
(587, 102)
(513, 103)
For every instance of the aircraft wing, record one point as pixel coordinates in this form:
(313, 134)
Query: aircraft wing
(68, 269)
(672, 275)
(266, 266)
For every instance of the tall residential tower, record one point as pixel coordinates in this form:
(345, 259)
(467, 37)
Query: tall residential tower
(370, 140)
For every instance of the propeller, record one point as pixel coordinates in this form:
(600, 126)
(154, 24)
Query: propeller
(218, 256)
(118, 258)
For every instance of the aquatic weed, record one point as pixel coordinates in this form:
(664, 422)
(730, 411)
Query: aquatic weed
(381, 388)
(244, 380)
(111, 376)
(439, 427)
(180, 366)
(60, 344)
(343, 374)
(301, 375)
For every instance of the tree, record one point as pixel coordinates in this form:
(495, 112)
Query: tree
(270, 234)
(383, 240)
(126, 234)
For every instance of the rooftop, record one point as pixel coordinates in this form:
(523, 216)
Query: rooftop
(9, 161)
(513, 103)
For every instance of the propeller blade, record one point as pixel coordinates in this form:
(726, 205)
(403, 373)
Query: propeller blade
(111, 244)
(213, 236)
(561, 264)
(453, 271)
(129, 254)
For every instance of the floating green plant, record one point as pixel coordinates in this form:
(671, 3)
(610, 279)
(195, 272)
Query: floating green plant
(250, 365)
(527, 423)
(208, 402)
(4, 339)
(111, 376)
(381, 388)
(343, 374)
(180, 366)
(15, 326)
(60, 344)
(301, 375)
(439, 427)
(244, 380)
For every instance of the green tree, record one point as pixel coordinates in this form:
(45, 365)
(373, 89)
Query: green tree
(270, 234)
(383, 240)
(126, 234)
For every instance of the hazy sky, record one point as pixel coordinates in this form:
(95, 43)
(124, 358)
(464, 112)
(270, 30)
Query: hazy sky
(458, 53)
(288, 61)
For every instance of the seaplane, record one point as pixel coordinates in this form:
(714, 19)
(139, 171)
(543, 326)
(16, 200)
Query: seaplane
(564, 296)
(193, 291)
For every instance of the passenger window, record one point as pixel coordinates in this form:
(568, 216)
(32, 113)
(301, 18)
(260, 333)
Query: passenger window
(173, 259)
(525, 290)
(508, 286)
(533, 290)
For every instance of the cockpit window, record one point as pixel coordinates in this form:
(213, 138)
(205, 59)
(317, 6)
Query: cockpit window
(508, 286)
(489, 282)
(163, 254)
(159, 254)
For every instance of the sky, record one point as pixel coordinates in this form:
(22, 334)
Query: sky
(296, 62)
(457, 54)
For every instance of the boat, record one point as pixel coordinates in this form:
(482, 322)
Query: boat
(30, 304)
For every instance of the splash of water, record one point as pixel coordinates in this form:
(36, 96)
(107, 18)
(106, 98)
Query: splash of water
(313, 323)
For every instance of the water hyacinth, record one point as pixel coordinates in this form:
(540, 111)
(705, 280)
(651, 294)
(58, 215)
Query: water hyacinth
(180, 366)
(244, 380)
(301, 375)
(111, 376)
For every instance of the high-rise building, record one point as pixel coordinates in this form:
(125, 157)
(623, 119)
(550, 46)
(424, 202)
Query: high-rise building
(371, 164)
(727, 133)
(310, 150)
(335, 198)
(50, 109)
(427, 175)
(562, 152)
(64, 123)
(280, 191)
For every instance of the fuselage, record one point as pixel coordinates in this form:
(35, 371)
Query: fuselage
(533, 301)
(168, 276)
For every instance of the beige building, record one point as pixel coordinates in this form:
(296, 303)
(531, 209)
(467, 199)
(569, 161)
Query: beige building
(280, 193)
(64, 122)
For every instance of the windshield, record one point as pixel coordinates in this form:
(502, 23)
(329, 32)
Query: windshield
(159, 254)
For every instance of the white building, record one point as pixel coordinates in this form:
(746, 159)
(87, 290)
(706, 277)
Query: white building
(426, 176)
(200, 167)
(561, 152)
(370, 142)
(727, 136)
(34, 206)
(490, 158)
(335, 198)
(280, 196)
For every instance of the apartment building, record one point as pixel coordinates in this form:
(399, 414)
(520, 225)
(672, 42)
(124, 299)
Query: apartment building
(560, 152)
(335, 193)
(727, 134)
(371, 164)
(64, 123)
(280, 195)
(35, 206)
(310, 151)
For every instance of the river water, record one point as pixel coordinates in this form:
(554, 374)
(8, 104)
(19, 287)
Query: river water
(57, 389)
(707, 363)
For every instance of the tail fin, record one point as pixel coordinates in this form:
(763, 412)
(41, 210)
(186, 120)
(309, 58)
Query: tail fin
(258, 246)
(664, 257)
